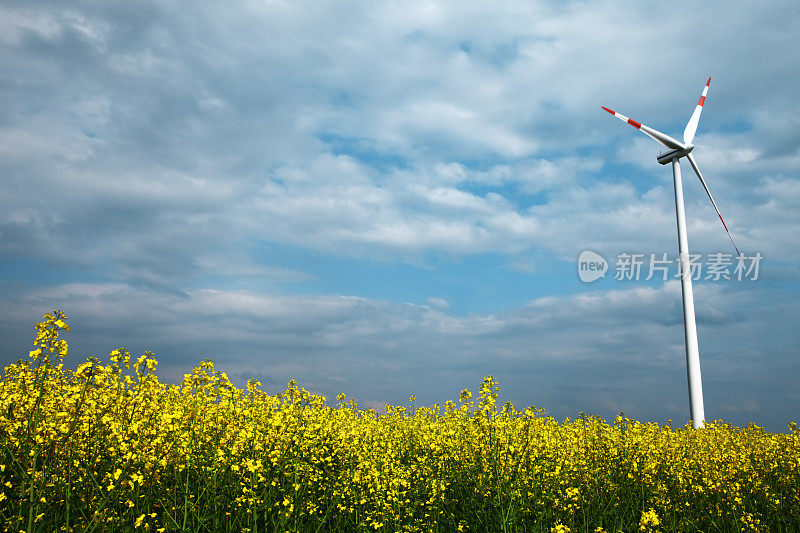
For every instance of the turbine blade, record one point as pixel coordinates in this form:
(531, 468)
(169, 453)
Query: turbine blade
(691, 126)
(690, 157)
(659, 137)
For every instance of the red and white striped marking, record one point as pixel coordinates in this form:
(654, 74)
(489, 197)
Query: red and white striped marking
(692, 161)
(623, 118)
(705, 92)
(662, 138)
(691, 126)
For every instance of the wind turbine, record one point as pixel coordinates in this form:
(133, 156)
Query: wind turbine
(677, 150)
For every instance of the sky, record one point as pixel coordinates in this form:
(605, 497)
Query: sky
(390, 198)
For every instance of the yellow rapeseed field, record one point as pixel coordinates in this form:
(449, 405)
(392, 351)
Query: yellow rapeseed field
(108, 447)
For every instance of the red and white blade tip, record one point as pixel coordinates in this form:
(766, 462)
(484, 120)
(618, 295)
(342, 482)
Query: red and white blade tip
(623, 118)
(659, 137)
(691, 126)
(705, 92)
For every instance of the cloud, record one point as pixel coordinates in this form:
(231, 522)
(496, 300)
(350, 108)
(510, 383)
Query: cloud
(211, 119)
(223, 163)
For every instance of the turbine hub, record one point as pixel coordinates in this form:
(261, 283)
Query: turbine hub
(667, 157)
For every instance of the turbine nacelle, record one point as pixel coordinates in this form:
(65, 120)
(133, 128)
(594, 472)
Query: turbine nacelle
(667, 157)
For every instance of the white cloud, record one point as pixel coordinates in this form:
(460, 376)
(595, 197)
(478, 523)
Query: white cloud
(15, 23)
(196, 125)
(149, 154)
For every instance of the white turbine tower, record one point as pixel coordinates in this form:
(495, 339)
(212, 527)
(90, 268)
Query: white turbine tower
(676, 151)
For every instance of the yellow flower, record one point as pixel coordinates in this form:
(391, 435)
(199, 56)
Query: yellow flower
(648, 520)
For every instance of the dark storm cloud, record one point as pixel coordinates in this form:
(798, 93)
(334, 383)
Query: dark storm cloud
(569, 354)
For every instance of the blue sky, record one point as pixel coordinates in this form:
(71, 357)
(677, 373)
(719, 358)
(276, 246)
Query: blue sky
(389, 198)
